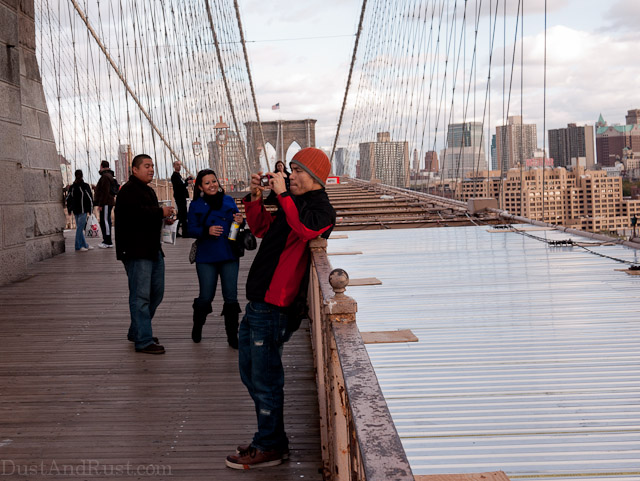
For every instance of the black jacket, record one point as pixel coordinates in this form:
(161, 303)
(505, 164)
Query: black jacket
(79, 198)
(138, 221)
(180, 191)
(103, 188)
(278, 271)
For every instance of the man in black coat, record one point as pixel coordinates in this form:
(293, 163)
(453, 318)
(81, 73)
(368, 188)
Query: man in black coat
(180, 194)
(137, 228)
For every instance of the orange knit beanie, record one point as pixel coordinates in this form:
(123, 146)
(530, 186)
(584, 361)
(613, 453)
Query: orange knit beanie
(315, 162)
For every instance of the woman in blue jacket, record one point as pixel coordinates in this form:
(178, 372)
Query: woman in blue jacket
(209, 220)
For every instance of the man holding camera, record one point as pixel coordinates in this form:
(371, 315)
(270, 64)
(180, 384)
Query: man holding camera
(138, 226)
(276, 291)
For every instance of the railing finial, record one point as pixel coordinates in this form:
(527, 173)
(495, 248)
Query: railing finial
(339, 280)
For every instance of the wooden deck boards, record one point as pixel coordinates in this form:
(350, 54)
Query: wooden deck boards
(76, 397)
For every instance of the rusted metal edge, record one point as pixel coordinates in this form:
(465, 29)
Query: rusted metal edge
(381, 450)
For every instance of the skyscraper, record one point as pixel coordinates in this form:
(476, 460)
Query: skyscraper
(465, 152)
(515, 142)
(385, 161)
(612, 139)
(570, 143)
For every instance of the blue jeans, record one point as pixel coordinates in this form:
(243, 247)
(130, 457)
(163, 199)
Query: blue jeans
(81, 223)
(208, 281)
(263, 332)
(146, 289)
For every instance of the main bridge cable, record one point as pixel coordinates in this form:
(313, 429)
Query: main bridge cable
(122, 78)
(346, 91)
(253, 93)
(226, 83)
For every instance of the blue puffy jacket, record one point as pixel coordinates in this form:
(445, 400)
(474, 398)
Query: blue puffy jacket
(200, 218)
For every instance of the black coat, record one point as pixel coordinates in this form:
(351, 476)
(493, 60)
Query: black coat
(79, 198)
(138, 221)
(180, 192)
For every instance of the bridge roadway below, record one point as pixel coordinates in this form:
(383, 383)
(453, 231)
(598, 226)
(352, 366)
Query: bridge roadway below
(76, 397)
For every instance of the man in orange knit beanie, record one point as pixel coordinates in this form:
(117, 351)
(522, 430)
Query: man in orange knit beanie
(276, 291)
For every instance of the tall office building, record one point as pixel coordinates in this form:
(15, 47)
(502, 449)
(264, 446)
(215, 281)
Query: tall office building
(494, 154)
(338, 161)
(612, 139)
(515, 142)
(431, 161)
(385, 161)
(571, 143)
(465, 152)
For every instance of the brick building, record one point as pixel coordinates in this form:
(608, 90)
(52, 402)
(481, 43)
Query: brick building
(583, 199)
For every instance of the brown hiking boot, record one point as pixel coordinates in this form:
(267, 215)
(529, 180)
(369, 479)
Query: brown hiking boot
(254, 458)
(152, 349)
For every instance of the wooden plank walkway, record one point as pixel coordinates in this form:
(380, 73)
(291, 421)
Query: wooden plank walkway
(76, 400)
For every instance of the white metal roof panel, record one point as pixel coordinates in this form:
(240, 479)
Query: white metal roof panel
(529, 355)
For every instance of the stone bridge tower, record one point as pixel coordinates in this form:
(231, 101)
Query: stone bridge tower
(31, 208)
(280, 134)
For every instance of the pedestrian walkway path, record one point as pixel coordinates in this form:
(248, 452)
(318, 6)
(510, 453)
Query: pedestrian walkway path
(77, 401)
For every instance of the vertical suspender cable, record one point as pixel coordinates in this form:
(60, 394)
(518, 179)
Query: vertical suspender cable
(124, 80)
(226, 83)
(346, 92)
(253, 93)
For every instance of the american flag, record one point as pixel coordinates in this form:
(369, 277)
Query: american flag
(276, 106)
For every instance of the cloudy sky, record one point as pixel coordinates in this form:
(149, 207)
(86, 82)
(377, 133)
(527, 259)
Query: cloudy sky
(300, 54)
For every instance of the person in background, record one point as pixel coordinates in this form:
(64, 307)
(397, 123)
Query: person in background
(80, 203)
(180, 194)
(276, 291)
(105, 200)
(279, 167)
(210, 217)
(138, 227)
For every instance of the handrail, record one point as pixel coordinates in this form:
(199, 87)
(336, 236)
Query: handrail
(359, 438)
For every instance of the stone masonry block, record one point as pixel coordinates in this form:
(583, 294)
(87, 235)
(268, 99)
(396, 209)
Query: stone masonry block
(29, 221)
(31, 68)
(30, 124)
(11, 142)
(33, 94)
(27, 7)
(36, 185)
(10, 103)
(48, 219)
(8, 26)
(12, 4)
(12, 225)
(38, 249)
(12, 191)
(46, 131)
(55, 186)
(27, 32)
(40, 154)
(9, 65)
(14, 264)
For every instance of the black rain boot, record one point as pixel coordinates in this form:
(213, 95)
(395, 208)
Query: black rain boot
(199, 318)
(231, 311)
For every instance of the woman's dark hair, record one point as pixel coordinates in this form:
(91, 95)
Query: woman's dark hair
(79, 175)
(284, 167)
(196, 185)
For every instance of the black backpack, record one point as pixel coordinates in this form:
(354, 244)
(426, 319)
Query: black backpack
(114, 188)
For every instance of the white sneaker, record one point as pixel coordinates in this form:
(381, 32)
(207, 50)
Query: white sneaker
(102, 245)
(83, 249)
(89, 248)
(109, 246)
